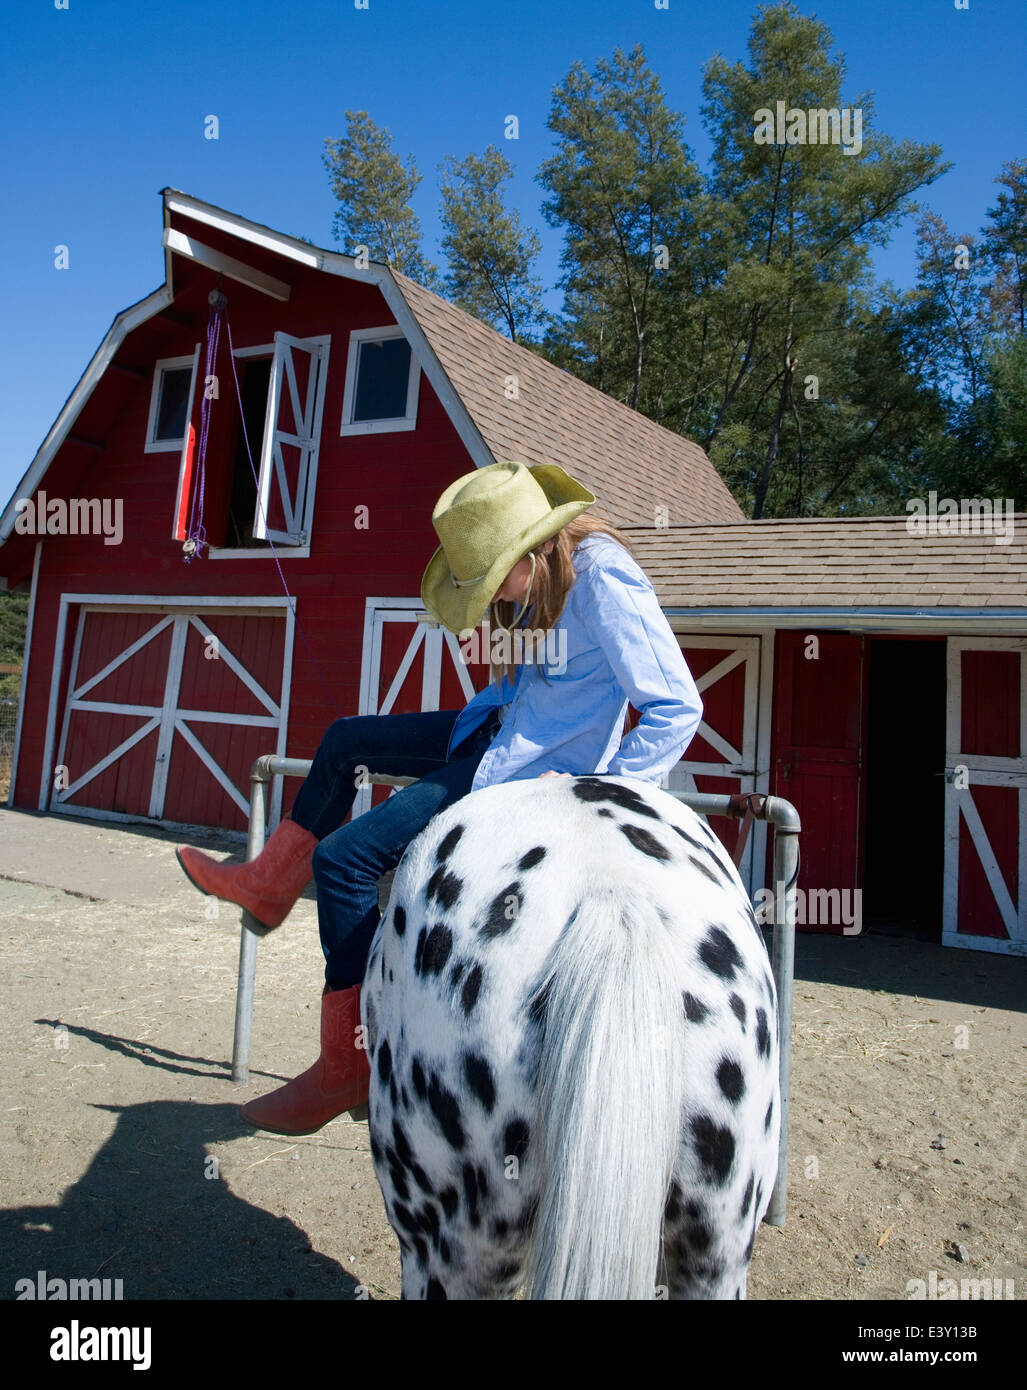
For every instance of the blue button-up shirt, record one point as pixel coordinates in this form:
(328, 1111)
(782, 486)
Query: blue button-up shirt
(569, 717)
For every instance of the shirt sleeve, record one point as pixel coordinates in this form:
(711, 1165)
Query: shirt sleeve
(622, 615)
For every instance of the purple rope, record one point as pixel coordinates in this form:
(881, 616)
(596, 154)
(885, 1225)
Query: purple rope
(197, 531)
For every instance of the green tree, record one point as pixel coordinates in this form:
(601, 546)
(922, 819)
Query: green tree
(489, 252)
(800, 217)
(619, 185)
(374, 191)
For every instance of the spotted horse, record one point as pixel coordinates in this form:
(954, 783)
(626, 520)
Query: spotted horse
(572, 1029)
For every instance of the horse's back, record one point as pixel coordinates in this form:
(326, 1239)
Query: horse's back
(567, 966)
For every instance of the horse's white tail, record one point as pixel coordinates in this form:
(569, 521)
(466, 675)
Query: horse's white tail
(609, 1103)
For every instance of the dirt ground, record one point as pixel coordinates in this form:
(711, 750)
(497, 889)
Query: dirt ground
(123, 1156)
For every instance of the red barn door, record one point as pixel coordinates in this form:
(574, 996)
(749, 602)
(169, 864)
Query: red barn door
(817, 765)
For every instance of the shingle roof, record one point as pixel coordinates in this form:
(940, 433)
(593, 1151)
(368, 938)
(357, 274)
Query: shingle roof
(858, 561)
(632, 464)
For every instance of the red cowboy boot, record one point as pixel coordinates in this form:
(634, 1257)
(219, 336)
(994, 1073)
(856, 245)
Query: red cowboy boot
(337, 1081)
(266, 886)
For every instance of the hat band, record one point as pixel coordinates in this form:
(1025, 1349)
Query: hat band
(462, 583)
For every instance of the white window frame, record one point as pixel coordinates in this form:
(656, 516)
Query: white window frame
(390, 426)
(163, 364)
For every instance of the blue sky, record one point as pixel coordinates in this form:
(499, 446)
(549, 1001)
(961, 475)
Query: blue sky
(104, 105)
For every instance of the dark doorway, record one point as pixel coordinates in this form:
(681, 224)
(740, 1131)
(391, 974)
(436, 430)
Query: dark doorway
(905, 796)
(254, 377)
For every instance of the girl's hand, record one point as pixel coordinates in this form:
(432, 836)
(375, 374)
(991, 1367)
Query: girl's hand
(554, 774)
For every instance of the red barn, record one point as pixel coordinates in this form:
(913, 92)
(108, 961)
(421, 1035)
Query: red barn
(874, 677)
(363, 396)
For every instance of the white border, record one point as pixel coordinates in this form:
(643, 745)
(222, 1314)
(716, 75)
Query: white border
(160, 366)
(357, 337)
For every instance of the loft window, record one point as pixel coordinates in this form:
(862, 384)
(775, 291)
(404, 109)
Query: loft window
(282, 389)
(170, 401)
(382, 377)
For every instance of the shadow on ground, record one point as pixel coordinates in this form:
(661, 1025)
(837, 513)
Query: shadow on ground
(146, 1212)
(919, 968)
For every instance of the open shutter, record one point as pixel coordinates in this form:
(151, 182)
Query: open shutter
(292, 437)
(187, 460)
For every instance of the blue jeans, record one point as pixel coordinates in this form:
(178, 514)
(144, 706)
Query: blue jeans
(351, 858)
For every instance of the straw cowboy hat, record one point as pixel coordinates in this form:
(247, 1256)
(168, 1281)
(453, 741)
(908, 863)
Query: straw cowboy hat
(487, 520)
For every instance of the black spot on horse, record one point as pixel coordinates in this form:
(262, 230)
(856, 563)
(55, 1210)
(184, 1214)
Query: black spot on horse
(399, 923)
(699, 1238)
(688, 839)
(422, 1179)
(403, 1149)
(436, 1290)
(693, 1211)
(748, 1248)
(672, 1208)
(533, 857)
(421, 1247)
(591, 789)
(448, 844)
(393, 1092)
(455, 973)
(444, 887)
(444, 1251)
(706, 869)
(384, 1061)
(747, 1197)
(446, 1109)
(500, 1229)
(644, 841)
(695, 1010)
(515, 1139)
(762, 1034)
(720, 954)
(472, 988)
(499, 919)
(603, 811)
(470, 1178)
(433, 950)
(429, 1219)
(715, 1145)
(417, 1076)
(768, 1117)
(738, 1009)
(407, 1219)
(450, 1200)
(730, 1080)
(479, 1078)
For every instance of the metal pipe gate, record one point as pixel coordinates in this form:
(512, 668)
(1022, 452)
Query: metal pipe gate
(781, 912)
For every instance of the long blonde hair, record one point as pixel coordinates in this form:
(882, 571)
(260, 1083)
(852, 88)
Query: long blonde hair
(554, 578)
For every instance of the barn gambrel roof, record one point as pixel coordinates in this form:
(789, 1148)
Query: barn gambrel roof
(632, 464)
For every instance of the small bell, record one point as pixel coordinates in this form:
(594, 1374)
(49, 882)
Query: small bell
(189, 549)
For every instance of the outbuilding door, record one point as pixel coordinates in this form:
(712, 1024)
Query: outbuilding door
(818, 766)
(164, 711)
(985, 897)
